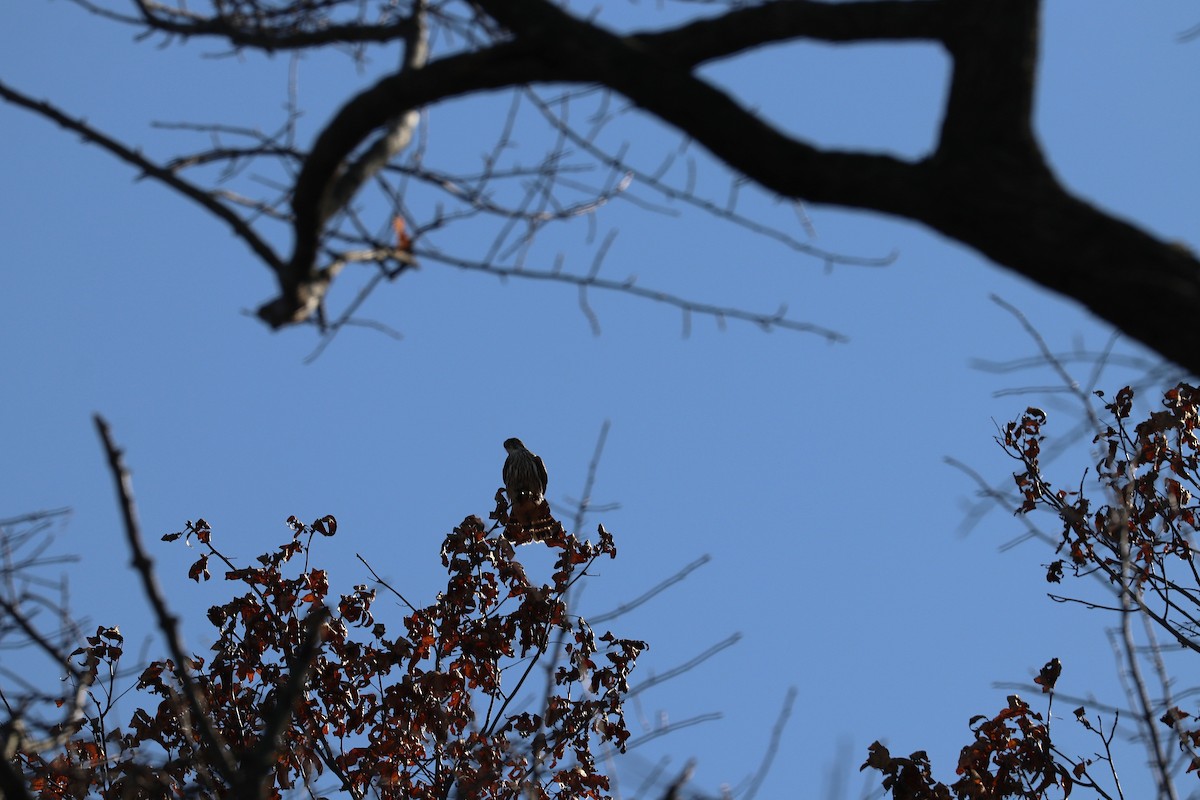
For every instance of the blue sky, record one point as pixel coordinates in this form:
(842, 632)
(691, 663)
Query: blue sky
(812, 473)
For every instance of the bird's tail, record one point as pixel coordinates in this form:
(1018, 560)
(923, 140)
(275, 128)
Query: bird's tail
(530, 519)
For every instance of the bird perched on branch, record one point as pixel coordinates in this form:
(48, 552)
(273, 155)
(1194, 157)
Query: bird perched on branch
(525, 484)
(524, 473)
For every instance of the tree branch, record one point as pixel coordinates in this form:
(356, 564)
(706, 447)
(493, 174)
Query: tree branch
(764, 320)
(314, 200)
(256, 769)
(12, 782)
(242, 32)
(670, 91)
(784, 20)
(773, 745)
(987, 185)
(990, 105)
(218, 755)
(399, 130)
(149, 169)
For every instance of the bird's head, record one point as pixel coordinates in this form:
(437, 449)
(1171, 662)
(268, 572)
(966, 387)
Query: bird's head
(514, 445)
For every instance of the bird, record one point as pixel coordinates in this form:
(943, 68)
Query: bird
(524, 473)
(525, 483)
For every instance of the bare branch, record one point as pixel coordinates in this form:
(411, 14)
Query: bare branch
(585, 499)
(399, 130)
(658, 588)
(766, 321)
(699, 719)
(1139, 693)
(256, 768)
(773, 745)
(168, 624)
(148, 168)
(384, 583)
(284, 33)
(313, 201)
(686, 666)
(986, 185)
(687, 195)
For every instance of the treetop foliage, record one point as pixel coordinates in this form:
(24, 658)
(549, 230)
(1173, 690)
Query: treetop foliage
(1133, 534)
(305, 689)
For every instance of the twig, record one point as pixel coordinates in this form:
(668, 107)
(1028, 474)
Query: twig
(34, 516)
(44, 644)
(625, 608)
(674, 726)
(1068, 382)
(686, 666)
(346, 317)
(280, 34)
(773, 745)
(766, 321)
(384, 583)
(1146, 715)
(688, 196)
(585, 500)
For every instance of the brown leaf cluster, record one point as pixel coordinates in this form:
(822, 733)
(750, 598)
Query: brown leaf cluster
(1010, 757)
(1137, 536)
(420, 707)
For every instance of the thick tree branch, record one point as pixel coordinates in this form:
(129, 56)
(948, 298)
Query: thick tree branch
(990, 106)
(302, 294)
(399, 130)
(1148, 288)
(669, 90)
(987, 186)
(784, 20)
(566, 51)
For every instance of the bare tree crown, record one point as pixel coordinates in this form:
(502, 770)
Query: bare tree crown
(986, 184)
